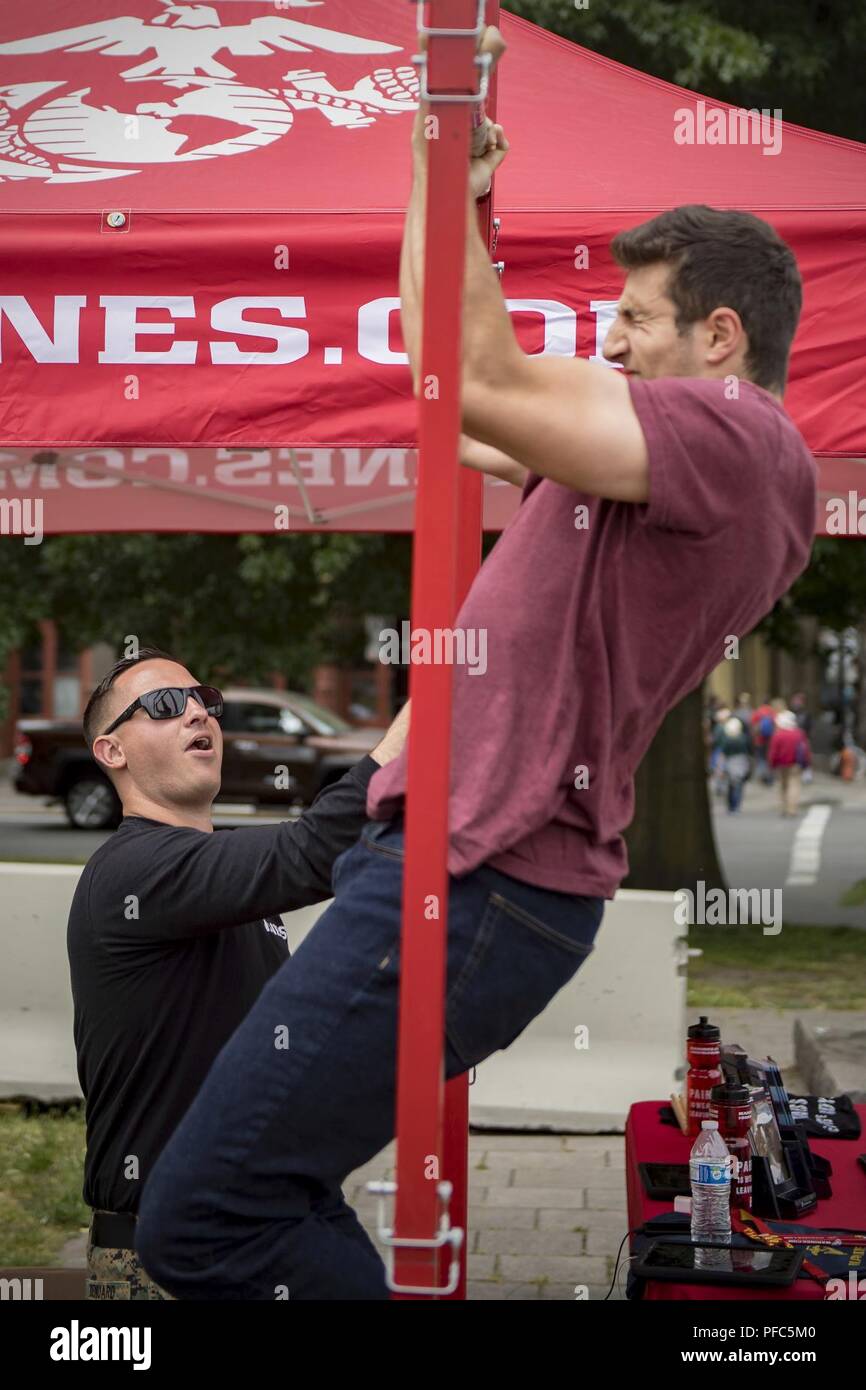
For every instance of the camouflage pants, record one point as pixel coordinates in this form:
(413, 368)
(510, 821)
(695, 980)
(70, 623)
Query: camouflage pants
(113, 1273)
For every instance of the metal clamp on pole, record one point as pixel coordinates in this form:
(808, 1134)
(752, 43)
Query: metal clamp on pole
(447, 1235)
(482, 60)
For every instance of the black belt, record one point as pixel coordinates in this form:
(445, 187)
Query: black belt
(113, 1230)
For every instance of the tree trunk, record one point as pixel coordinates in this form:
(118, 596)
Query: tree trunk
(670, 840)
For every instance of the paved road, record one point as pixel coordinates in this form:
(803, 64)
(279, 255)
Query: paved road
(29, 832)
(813, 859)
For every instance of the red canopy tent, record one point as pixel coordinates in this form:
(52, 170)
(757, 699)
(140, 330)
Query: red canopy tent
(111, 299)
(231, 341)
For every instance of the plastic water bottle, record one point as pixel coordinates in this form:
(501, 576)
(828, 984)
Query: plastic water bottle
(710, 1173)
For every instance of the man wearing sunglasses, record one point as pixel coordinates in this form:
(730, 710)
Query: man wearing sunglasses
(173, 932)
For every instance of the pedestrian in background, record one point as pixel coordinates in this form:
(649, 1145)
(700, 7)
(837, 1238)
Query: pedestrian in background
(763, 724)
(721, 714)
(735, 763)
(744, 713)
(804, 718)
(789, 752)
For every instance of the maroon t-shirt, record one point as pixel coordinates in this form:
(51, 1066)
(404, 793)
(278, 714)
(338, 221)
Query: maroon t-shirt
(598, 621)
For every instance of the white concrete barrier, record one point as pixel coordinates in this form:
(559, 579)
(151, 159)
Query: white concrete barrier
(615, 1035)
(37, 1056)
(629, 1000)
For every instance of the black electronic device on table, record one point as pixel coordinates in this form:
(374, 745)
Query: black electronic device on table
(710, 1262)
(664, 1181)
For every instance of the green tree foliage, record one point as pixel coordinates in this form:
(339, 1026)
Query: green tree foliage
(803, 56)
(832, 589)
(233, 606)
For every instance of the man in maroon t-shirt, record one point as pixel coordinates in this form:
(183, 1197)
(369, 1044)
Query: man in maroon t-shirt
(665, 509)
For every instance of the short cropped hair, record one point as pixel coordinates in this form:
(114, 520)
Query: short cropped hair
(725, 258)
(95, 711)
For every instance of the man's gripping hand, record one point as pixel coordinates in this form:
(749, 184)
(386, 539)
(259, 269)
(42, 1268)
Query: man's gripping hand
(482, 167)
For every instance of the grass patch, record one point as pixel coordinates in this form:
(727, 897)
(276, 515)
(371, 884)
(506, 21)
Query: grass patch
(41, 1168)
(801, 968)
(855, 896)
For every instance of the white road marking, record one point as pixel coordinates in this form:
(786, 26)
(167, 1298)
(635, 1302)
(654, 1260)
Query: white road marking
(806, 850)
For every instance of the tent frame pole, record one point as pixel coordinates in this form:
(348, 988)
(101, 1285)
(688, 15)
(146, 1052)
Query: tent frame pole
(432, 1119)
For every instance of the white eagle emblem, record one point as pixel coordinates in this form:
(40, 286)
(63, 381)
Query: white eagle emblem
(68, 139)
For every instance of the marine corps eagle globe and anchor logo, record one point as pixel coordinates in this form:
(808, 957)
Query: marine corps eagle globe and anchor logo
(55, 131)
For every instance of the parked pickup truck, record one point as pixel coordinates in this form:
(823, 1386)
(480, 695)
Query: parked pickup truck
(263, 730)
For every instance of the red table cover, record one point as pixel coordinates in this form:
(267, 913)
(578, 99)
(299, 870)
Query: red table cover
(648, 1140)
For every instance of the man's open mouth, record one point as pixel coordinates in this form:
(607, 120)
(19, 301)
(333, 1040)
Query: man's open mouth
(202, 744)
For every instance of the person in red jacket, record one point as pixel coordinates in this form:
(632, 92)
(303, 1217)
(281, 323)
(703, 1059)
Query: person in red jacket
(763, 724)
(789, 752)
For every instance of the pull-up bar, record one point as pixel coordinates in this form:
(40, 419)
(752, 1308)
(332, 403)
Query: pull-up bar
(432, 1119)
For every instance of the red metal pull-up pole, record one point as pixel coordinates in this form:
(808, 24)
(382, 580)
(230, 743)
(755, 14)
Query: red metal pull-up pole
(431, 1179)
(455, 1138)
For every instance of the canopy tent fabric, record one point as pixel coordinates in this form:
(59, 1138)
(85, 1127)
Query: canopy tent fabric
(231, 343)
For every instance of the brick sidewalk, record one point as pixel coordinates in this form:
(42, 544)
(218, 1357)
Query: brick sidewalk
(546, 1212)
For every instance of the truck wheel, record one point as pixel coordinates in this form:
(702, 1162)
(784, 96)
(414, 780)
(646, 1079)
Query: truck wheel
(91, 804)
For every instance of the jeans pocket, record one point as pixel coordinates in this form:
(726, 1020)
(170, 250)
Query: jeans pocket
(515, 965)
(384, 837)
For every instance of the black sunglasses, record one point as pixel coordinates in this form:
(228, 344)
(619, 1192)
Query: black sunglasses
(170, 702)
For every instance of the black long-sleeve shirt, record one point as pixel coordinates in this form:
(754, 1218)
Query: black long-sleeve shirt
(173, 932)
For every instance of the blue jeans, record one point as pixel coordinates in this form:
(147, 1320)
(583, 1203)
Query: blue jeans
(735, 793)
(245, 1201)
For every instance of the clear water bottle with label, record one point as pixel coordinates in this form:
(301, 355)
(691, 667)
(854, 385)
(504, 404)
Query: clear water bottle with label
(710, 1173)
